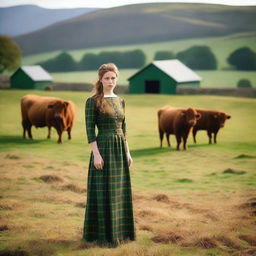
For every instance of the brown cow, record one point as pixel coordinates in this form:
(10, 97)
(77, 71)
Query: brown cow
(47, 111)
(176, 121)
(211, 121)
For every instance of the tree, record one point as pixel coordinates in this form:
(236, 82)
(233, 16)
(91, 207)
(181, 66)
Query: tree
(244, 83)
(89, 62)
(198, 57)
(134, 59)
(128, 59)
(164, 55)
(65, 62)
(61, 63)
(243, 59)
(10, 54)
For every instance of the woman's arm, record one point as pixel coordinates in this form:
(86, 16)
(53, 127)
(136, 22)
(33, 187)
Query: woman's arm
(98, 161)
(90, 120)
(129, 157)
(130, 161)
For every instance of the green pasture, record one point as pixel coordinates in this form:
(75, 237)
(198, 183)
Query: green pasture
(221, 47)
(206, 185)
(210, 79)
(202, 166)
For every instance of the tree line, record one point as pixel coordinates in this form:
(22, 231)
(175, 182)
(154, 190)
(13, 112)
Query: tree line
(90, 61)
(196, 57)
(202, 58)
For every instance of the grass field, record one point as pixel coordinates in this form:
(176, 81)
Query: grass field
(195, 202)
(221, 47)
(211, 79)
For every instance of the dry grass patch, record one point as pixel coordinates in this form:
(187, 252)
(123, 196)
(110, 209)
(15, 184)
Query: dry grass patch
(192, 223)
(64, 198)
(136, 196)
(206, 243)
(13, 157)
(72, 187)
(51, 178)
(170, 237)
(228, 242)
(205, 212)
(200, 219)
(170, 234)
(47, 242)
(250, 205)
(152, 215)
(250, 239)
(234, 172)
(16, 252)
(8, 204)
(201, 242)
(40, 247)
(161, 198)
(244, 156)
(3, 227)
(81, 205)
(86, 245)
(245, 252)
(145, 213)
(145, 227)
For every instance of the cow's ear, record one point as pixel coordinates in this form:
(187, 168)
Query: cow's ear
(66, 103)
(198, 116)
(50, 106)
(228, 116)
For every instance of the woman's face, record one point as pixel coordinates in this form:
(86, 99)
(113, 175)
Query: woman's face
(109, 80)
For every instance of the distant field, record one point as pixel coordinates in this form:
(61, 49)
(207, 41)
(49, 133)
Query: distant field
(218, 79)
(221, 47)
(195, 202)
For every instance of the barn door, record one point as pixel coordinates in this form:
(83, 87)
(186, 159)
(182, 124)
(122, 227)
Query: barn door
(152, 86)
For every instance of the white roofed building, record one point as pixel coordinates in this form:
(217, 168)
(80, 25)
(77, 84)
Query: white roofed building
(163, 77)
(31, 77)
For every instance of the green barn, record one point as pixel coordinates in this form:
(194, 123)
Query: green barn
(163, 77)
(31, 77)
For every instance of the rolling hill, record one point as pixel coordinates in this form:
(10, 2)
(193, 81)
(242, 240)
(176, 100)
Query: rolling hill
(24, 19)
(133, 24)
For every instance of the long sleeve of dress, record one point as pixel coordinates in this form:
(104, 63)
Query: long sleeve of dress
(124, 122)
(90, 119)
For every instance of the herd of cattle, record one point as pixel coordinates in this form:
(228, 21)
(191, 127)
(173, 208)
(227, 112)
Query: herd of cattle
(180, 122)
(58, 113)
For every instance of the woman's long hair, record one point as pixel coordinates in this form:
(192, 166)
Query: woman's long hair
(98, 90)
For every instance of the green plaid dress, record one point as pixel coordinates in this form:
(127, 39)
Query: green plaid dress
(109, 211)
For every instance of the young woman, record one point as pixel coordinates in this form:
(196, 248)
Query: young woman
(109, 211)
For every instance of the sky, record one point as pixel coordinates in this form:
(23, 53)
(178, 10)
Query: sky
(110, 3)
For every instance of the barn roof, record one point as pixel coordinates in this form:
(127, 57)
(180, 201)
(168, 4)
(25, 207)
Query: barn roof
(175, 69)
(36, 73)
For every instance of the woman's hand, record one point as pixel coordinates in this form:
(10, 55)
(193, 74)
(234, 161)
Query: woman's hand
(98, 161)
(130, 161)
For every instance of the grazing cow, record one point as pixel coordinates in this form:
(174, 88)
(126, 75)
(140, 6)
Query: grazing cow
(211, 121)
(176, 121)
(47, 111)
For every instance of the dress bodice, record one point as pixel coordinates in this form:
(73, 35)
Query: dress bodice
(111, 121)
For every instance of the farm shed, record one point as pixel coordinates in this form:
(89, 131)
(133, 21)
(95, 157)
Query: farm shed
(30, 77)
(163, 77)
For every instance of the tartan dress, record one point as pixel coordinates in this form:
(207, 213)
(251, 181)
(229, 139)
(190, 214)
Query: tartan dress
(109, 211)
